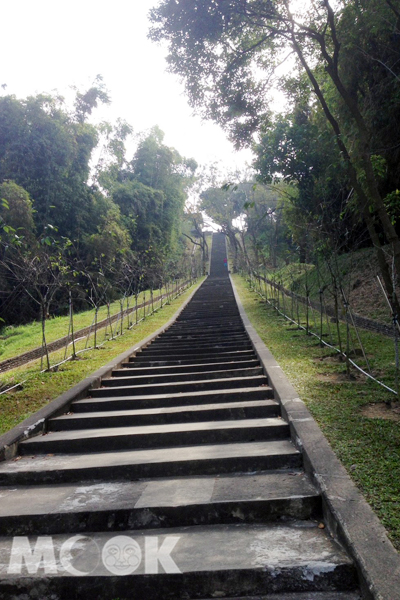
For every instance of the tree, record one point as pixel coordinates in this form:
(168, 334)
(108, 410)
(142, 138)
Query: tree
(154, 190)
(296, 148)
(194, 232)
(86, 101)
(124, 211)
(142, 210)
(47, 152)
(16, 209)
(39, 272)
(220, 48)
(223, 206)
(112, 157)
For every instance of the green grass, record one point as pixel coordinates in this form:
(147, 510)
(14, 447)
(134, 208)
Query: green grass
(368, 448)
(356, 273)
(16, 340)
(41, 388)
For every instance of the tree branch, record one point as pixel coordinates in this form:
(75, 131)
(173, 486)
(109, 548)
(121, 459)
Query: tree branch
(193, 241)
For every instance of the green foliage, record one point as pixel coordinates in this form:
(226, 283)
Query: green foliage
(43, 150)
(85, 102)
(88, 236)
(141, 207)
(210, 45)
(155, 191)
(392, 202)
(339, 140)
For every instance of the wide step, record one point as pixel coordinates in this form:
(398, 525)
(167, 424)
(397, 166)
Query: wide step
(192, 460)
(171, 414)
(158, 503)
(196, 561)
(156, 436)
(121, 377)
(131, 369)
(110, 402)
(186, 386)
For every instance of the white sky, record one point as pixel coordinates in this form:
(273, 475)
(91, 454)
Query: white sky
(48, 45)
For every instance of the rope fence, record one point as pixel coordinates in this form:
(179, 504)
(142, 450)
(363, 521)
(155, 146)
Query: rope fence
(128, 317)
(317, 318)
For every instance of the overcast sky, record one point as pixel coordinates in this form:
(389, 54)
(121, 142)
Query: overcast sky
(49, 45)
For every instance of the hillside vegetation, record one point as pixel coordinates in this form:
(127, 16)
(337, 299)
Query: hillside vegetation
(356, 271)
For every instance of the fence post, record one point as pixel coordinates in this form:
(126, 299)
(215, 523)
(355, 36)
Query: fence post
(321, 317)
(71, 313)
(95, 326)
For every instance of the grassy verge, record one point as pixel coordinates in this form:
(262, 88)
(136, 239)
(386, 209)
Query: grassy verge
(41, 388)
(369, 448)
(356, 272)
(15, 340)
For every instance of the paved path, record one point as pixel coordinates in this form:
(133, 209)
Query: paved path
(176, 479)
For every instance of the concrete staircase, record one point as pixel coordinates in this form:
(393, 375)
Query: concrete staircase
(176, 479)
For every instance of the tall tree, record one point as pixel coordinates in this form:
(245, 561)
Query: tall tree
(159, 179)
(227, 52)
(16, 209)
(297, 148)
(47, 151)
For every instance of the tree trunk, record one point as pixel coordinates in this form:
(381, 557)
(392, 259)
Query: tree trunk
(44, 343)
(364, 201)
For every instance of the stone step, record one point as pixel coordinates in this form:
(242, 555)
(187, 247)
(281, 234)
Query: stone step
(194, 357)
(203, 333)
(175, 480)
(121, 377)
(208, 325)
(221, 316)
(158, 503)
(220, 307)
(160, 462)
(198, 345)
(140, 361)
(213, 561)
(200, 341)
(184, 386)
(173, 335)
(201, 326)
(113, 439)
(162, 400)
(301, 596)
(159, 416)
(129, 367)
(153, 350)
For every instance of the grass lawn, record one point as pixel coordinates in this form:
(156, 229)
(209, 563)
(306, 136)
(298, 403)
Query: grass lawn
(362, 431)
(16, 340)
(41, 388)
(356, 273)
